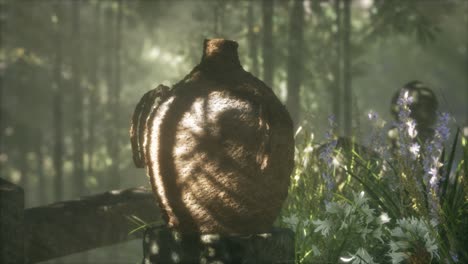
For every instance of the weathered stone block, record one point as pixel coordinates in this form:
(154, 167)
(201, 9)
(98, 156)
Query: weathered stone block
(11, 223)
(162, 245)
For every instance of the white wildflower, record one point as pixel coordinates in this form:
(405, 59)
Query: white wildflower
(384, 218)
(411, 125)
(414, 150)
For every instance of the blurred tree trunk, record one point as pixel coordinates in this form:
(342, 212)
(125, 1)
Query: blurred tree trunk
(78, 150)
(109, 73)
(336, 100)
(7, 77)
(347, 93)
(57, 105)
(295, 54)
(357, 122)
(222, 20)
(23, 165)
(268, 62)
(116, 101)
(113, 93)
(218, 13)
(466, 58)
(3, 15)
(94, 88)
(42, 189)
(216, 19)
(252, 38)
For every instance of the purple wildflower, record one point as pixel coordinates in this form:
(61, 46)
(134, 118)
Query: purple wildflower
(442, 130)
(431, 163)
(330, 185)
(381, 147)
(327, 154)
(406, 126)
(403, 102)
(375, 139)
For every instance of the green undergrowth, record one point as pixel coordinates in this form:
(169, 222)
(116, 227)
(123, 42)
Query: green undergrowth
(377, 203)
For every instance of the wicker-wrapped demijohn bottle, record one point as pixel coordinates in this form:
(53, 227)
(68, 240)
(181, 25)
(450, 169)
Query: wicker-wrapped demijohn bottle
(218, 147)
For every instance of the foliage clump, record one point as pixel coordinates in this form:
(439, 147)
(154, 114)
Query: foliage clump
(400, 202)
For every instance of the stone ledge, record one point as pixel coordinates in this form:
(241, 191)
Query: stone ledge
(161, 245)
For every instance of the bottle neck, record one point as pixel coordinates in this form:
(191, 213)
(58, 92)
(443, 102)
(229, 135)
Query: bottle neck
(220, 55)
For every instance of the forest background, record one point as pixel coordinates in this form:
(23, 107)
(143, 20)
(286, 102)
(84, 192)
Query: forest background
(71, 73)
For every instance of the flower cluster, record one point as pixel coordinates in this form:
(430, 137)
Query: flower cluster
(407, 148)
(407, 127)
(431, 163)
(403, 220)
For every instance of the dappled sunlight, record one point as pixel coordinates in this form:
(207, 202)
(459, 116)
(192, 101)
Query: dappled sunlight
(376, 90)
(212, 144)
(163, 56)
(207, 172)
